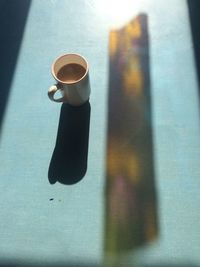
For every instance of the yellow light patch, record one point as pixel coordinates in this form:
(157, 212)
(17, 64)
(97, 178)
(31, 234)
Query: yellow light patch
(133, 29)
(113, 42)
(133, 80)
(122, 161)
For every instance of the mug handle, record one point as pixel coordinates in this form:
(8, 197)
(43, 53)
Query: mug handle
(52, 90)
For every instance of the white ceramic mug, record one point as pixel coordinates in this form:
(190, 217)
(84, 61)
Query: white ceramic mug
(74, 92)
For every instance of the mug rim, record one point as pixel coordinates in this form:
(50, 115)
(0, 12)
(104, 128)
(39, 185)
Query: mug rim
(63, 55)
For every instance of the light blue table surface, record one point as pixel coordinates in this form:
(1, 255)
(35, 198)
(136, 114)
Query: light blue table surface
(70, 228)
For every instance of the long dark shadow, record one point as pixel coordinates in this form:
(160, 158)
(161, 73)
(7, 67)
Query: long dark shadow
(21, 263)
(13, 16)
(131, 202)
(194, 12)
(69, 160)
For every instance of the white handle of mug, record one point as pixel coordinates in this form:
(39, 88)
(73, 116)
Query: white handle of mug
(51, 92)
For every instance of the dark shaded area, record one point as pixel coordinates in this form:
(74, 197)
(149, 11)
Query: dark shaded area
(27, 264)
(13, 15)
(194, 12)
(69, 160)
(131, 199)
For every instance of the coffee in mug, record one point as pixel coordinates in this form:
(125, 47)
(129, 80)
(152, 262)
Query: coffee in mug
(71, 73)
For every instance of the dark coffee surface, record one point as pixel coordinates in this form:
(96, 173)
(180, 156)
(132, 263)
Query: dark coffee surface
(71, 72)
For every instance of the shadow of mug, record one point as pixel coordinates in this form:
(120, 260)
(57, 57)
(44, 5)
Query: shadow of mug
(68, 164)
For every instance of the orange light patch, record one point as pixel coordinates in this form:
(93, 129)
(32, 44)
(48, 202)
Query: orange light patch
(113, 42)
